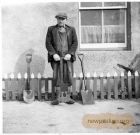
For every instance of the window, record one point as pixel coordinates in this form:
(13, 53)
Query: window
(104, 25)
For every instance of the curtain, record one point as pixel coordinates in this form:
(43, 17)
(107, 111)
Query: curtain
(112, 34)
(91, 34)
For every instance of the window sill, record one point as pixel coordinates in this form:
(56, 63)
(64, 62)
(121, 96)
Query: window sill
(104, 47)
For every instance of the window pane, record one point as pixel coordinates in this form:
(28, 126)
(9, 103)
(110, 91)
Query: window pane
(106, 4)
(91, 17)
(114, 26)
(114, 17)
(91, 4)
(91, 34)
(91, 31)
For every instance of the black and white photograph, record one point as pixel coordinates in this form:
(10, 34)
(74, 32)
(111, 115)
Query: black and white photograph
(70, 67)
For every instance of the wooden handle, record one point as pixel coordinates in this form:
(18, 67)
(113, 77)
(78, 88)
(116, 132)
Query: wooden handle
(28, 77)
(81, 58)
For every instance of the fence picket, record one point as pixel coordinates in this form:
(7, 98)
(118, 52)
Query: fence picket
(5, 76)
(12, 76)
(102, 86)
(39, 86)
(21, 87)
(6, 90)
(108, 86)
(74, 85)
(137, 91)
(19, 76)
(88, 81)
(95, 85)
(46, 89)
(53, 89)
(14, 90)
(12, 87)
(13, 95)
(25, 75)
(74, 91)
(122, 86)
(129, 85)
(116, 85)
(39, 89)
(32, 76)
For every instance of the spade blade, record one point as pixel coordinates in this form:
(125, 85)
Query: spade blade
(87, 97)
(28, 96)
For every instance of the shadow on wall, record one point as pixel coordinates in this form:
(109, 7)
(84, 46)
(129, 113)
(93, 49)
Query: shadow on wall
(37, 65)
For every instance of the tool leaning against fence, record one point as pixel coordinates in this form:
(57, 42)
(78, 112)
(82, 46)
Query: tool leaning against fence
(64, 92)
(28, 94)
(87, 95)
(126, 68)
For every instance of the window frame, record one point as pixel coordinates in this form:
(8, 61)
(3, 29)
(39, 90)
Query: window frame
(108, 46)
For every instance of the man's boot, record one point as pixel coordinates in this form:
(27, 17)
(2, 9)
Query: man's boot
(56, 101)
(70, 101)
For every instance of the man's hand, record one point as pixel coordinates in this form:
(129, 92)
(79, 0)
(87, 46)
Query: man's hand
(56, 57)
(67, 57)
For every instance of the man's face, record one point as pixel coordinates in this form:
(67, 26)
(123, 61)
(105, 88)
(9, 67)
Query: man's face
(61, 21)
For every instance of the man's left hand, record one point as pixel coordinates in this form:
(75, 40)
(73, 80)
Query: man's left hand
(67, 57)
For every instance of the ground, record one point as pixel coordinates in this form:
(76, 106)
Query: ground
(41, 117)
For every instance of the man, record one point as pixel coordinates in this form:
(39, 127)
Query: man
(61, 42)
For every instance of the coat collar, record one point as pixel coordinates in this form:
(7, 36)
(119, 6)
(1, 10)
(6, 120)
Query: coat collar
(54, 31)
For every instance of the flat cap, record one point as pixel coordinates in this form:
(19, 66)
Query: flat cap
(61, 15)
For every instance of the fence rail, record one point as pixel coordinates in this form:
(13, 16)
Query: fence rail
(103, 87)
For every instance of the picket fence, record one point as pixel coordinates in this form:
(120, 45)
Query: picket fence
(103, 87)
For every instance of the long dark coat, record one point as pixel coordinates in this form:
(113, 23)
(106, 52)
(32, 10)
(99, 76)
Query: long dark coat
(52, 47)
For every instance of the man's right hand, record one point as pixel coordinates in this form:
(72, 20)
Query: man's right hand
(56, 57)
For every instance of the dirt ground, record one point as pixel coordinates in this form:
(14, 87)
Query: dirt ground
(41, 117)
